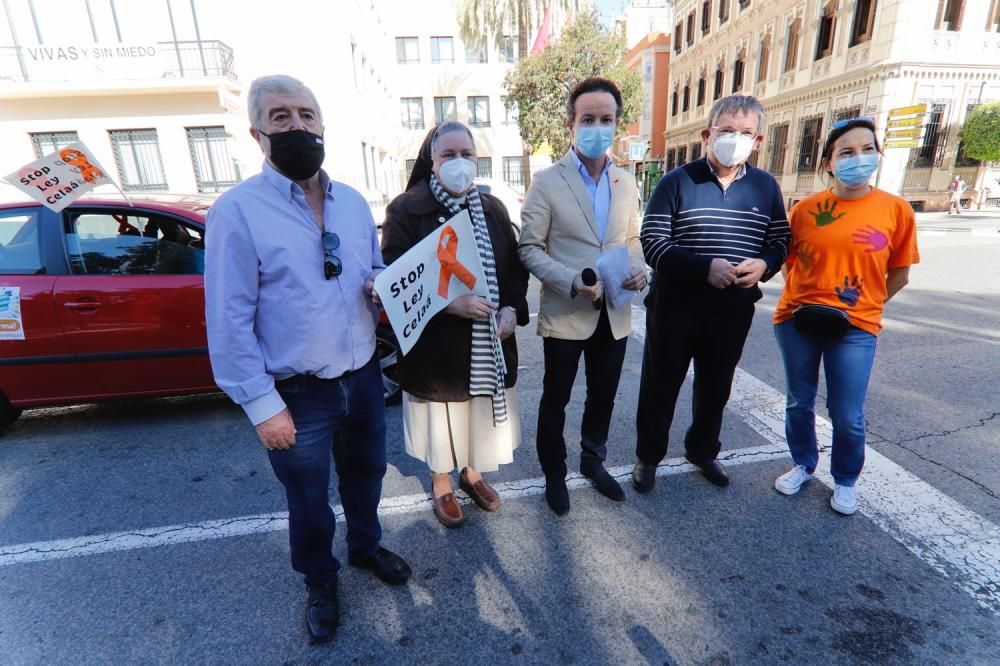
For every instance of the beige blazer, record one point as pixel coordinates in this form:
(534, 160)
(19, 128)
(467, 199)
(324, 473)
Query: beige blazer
(559, 238)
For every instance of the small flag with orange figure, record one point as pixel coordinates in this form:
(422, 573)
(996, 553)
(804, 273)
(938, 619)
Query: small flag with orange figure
(58, 179)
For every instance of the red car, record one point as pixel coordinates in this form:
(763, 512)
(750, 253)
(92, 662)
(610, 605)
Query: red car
(105, 300)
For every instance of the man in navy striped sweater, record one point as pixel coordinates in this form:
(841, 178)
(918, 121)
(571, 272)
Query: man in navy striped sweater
(713, 229)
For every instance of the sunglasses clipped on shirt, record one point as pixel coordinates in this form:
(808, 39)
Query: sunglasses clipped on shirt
(332, 266)
(847, 121)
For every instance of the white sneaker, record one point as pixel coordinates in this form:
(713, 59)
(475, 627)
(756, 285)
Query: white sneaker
(844, 499)
(791, 481)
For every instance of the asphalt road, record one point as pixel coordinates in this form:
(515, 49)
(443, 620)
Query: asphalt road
(110, 517)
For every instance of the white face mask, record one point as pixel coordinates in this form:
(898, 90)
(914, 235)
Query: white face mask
(732, 149)
(456, 175)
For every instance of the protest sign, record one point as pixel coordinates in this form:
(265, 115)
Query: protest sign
(433, 273)
(11, 326)
(60, 178)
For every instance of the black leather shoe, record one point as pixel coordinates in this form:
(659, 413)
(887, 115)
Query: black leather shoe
(643, 476)
(322, 612)
(714, 472)
(604, 482)
(387, 566)
(557, 496)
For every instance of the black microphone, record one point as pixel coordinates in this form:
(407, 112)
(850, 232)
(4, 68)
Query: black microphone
(589, 277)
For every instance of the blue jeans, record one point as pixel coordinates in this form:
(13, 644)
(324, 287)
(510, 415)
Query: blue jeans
(848, 365)
(344, 416)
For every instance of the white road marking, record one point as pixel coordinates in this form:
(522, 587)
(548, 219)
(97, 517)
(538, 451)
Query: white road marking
(932, 232)
(956, 542)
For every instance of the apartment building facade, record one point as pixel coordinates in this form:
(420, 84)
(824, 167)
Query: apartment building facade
(812, 62)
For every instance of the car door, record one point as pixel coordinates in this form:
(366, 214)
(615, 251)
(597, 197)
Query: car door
(37, 365)
(133, 307)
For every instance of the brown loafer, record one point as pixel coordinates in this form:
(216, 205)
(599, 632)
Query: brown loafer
(447, 510)
(481, 493)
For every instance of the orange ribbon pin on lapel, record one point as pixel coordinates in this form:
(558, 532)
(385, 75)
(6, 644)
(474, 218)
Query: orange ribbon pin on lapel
(447, 254)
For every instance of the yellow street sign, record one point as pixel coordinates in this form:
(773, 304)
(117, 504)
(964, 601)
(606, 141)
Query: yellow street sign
(908, 110)
(899, 133)
(906, 122)
(912, 143)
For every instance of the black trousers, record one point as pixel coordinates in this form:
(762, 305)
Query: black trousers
(602, 359)
(674, 337)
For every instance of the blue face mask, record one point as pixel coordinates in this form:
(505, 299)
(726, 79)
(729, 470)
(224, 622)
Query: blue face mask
(855, 171)
(594, 140)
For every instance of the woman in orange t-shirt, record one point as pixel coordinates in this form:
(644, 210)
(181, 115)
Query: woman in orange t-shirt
(852, 247)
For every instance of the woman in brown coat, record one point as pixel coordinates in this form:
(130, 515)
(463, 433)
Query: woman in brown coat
(459, 403)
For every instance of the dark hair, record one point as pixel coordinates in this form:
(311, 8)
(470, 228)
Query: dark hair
(831, 138)
(594, 84)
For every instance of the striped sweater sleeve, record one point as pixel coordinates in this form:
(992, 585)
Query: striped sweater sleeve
(657, 236)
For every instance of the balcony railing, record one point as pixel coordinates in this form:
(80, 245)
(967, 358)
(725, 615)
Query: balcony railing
(182, 59)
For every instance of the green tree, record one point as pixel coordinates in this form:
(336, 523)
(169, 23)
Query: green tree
(479, 20)
(981, 135)
(540, 84)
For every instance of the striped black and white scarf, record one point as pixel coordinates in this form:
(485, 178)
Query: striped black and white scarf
(487, 370)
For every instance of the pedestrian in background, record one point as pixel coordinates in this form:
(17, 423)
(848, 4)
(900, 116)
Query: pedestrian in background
(460, 406)
(713, 229)
(574, 211)
(957, 188)
(291, 260)
(852, 248)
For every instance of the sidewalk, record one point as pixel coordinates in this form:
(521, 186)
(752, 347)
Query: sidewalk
(968, 219)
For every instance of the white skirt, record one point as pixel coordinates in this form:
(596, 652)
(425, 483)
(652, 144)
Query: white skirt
(456, 435)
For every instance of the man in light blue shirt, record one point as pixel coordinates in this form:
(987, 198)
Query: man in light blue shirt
(599, 191)
(290, 261)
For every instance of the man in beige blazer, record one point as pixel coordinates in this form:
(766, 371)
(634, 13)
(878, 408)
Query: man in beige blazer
(574, 211)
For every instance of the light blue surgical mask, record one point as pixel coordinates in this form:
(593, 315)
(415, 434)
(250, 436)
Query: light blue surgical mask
(855, 170)
(594, 140)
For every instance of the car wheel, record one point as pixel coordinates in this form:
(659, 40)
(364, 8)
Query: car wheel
(388, 358)
(8, 413)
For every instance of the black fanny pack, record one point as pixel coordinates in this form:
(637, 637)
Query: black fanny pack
(822, 321)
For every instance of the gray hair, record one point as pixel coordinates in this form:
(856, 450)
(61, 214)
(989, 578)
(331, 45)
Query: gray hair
(274, 83)
(448, 127)
(735, 104)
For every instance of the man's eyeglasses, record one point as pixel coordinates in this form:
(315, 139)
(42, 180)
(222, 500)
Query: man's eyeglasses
(332, 266)
(847, 121)
(729, 131)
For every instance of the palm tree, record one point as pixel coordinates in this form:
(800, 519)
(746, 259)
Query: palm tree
(478, 20)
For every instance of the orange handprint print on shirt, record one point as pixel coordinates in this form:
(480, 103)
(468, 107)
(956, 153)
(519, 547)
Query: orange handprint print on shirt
(806, 255)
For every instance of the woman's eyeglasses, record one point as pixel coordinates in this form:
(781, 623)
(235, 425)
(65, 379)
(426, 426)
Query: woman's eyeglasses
(332, 266)
(847, 121)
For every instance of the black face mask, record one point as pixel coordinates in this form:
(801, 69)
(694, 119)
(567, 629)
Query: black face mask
(297, 153)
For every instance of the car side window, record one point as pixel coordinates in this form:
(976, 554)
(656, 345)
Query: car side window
(19, 250)
(103, 243)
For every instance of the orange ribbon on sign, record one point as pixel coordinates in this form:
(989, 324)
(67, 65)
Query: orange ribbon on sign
(79, 160)
(447, 254)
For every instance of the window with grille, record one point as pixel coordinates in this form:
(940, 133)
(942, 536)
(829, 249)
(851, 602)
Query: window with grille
(476, 56)
(706, 17)
(673, 103)
(701, 90)
(690, 29)
(724, 11)
(484, 167)
(949, 15)
(681, 155)
(442, 50)
(687, 97)
(738, 68)
(46, 143)
(445, 109)
(824, 36)
(137, 156)
(762, 59)
(407, 50)
(809, 130)
(931, 149)
(412, 112)
(792, 46)
(509, 111)
(671, 159)
(695, 151)
(512, 171)
(508, 49)
(777, 142)
(864, 21)
(479, 111)
(719, 80)
(678, 36)
(214, 169)
(409, 167)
